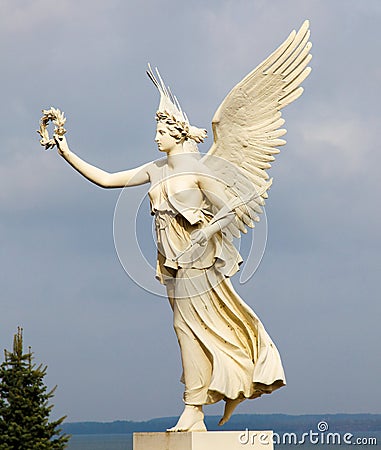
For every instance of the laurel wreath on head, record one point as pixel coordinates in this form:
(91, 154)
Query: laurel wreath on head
(57, 117)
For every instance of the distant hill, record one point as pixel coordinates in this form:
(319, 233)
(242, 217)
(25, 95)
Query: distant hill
(279, 423)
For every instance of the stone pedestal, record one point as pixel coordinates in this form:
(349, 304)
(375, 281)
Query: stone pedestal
(209, 440)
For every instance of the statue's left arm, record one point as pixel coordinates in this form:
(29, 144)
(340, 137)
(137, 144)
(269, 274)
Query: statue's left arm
(214, 191)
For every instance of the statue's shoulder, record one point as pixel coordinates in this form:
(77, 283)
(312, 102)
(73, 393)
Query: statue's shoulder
(157, 166)
(199, 165)
(155, 170)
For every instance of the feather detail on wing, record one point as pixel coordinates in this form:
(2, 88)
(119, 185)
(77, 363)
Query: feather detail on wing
(247, 126)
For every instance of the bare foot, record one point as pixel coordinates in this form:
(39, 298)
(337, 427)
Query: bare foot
(191, 419)
(230, 406)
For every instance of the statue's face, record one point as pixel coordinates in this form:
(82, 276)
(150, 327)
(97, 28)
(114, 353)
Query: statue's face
(164, 140)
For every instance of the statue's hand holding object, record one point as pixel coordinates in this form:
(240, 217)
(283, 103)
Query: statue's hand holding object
(57, 117)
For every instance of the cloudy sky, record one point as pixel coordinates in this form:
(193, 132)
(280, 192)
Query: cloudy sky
(108, 343)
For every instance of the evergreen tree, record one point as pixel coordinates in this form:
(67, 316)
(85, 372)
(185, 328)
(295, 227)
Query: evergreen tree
(24, 409)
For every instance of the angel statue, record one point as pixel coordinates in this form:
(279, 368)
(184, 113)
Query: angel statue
(200, 203)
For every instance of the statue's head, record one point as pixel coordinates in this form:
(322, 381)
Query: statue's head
(179, 130)
(172, 120)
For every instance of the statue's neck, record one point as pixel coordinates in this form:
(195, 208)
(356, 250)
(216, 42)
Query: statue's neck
(181, 160)
(173, 156)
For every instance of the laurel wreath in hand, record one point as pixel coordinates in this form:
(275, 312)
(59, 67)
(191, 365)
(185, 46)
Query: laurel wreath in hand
(57, 117)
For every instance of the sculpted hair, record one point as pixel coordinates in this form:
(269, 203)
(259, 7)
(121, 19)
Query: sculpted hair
(180, 130)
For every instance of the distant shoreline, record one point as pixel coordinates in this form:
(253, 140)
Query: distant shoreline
(278, 422)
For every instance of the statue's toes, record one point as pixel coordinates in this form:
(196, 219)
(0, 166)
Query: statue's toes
(222, 421)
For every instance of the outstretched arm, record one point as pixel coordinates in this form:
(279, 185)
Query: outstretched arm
(132, 177)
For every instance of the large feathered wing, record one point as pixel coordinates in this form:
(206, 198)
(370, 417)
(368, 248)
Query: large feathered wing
(247, 126)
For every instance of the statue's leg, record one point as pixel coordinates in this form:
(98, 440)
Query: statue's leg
(197, 369)
(196, 377)
(230, 406)
(196, 361)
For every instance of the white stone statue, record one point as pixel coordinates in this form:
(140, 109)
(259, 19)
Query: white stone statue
(200, 203)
